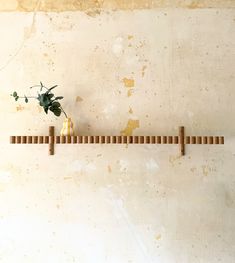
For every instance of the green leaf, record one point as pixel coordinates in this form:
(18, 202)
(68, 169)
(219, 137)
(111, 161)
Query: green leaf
(56, 104)
(57, 112)
(26, 99)
(59, 98)
(16, 98)
(14, 94)
(45, 109)
(50, 96)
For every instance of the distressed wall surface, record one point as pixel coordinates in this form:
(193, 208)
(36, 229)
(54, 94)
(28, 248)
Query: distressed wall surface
(140, 71)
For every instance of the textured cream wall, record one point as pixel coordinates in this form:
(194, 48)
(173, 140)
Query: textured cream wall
(139, 72)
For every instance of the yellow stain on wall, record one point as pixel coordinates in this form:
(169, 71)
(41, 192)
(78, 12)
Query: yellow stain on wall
(85, 5)
(143, 70)
(131, 125)
(158, 237)
(129, 83)
(129, 93)
(19, 108)
(109, 169)
(78, 99)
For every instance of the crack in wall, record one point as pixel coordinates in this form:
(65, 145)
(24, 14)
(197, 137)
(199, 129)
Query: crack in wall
(27, 35)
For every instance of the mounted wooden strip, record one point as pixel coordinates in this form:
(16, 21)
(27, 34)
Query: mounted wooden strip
(221, 140)
(158, 139)
(24, 139)
(204, 139)
(129, 139)
(199, 140)
(79, 139)
(29, 139)
(85, 139)
(187, 139)
(35, 139)
(216, 139)
(152, 139)
(57, 139)
(193, 139)
(68, 139)
(18, 139)
(13, 139)
(210, 139)
(46, 139)
(74, 139)
(124, 139)
(40, 139)
(91, 139)
(164, 139)
(141, 139)
(169, 139)
(119, 139)
(113, 139)
(136, 139)
(147, 139)
(102, 139)
(62, 139)
(176, 139)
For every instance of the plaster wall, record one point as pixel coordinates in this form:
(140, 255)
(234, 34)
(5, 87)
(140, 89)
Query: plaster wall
(140, 71)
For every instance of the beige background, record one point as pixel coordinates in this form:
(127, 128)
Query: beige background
(124, 67)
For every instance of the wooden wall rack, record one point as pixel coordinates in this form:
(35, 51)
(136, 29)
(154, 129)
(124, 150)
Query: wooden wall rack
(179, 139)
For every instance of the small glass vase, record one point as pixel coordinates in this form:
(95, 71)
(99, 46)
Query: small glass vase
(67, 129)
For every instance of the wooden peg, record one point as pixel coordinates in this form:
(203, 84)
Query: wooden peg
(51, 140)
(181, 140)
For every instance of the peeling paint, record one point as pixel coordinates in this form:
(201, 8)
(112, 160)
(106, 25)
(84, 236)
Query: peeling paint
(79, 99)
(87, 6)
(130, 127)
(129, 83)
(20, 108)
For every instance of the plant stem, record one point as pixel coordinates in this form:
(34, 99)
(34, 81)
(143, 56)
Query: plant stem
(38, 86)
(64, 112)
(28, 97)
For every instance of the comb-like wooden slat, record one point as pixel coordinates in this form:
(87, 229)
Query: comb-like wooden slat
(35, 139)
(204, 139)
(210, 139)
(193, 139)
(198, 140)
(221, 140)
(13, 139)
(187, 140)
(29, 139)
(169, 139)
(181, 139)
(176, 139)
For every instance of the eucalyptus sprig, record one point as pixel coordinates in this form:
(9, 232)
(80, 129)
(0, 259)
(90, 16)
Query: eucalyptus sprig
(46, 99)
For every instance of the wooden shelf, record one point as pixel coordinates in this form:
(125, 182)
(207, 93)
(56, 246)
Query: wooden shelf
(180, 139)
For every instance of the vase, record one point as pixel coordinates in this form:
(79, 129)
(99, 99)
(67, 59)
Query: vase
(67, 129)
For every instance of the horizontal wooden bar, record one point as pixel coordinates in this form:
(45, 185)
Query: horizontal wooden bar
(110, 139)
